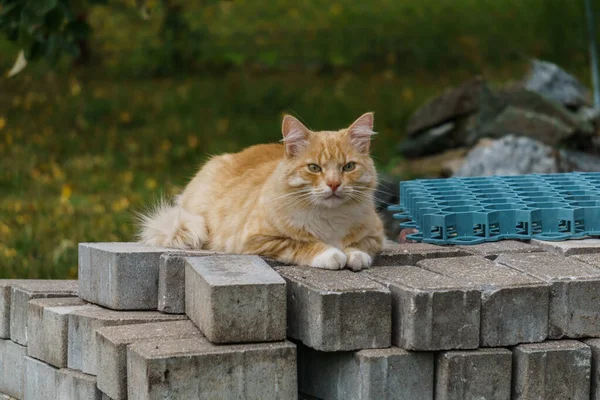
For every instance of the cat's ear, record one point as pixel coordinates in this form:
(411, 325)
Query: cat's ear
(295, 135)
(360, 132)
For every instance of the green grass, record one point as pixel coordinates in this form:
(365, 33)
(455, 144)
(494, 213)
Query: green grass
(82, 149)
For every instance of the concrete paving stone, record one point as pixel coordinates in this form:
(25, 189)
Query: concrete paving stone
(235, 299)
(514, 306)
(374, 374)
(21, 293)
(430, 311)
(492, 250)
(171, 280)
(570, 247)
(40, 380)
(558, 369)
(76, 385)
(12, 368)
(112, 344)
(82, 346)
(592, 259)
(595, 372)
(394, 254)
(473, 374)
(574, 309)
(48, 328)
(337, 310)
(120, 276)
(5, 295)
(196, 369)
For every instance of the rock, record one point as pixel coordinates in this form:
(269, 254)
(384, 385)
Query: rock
(554, 83)
(528, 123)
(453, 103)
(493, 104)
(518, 155)
(448, 135)
(427, 142)
(579, 161)
(441, 165)
(511, 155)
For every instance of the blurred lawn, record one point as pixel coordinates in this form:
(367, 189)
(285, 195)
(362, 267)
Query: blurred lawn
(82, 148)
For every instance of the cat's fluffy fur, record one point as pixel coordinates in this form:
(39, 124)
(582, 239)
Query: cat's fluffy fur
(269, 200)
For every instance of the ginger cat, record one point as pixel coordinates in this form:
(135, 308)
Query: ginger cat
(308, 201)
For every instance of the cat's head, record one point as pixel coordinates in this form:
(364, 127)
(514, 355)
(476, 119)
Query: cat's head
(329, 168)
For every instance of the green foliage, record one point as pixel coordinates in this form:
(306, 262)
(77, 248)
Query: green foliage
(45, 28)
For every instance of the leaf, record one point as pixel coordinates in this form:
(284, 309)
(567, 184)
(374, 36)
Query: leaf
(19, 65)
(36, 50)
(45, 6)
(54, 19)
(30, 18)
(78, 29)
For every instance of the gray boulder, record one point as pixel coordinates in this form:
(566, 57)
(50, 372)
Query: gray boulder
(528, 123)
(510, 155)
(552, 82)
(454, 102)
(518, 155)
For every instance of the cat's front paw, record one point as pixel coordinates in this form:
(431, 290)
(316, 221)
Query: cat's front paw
(331, 258)
(358, 260)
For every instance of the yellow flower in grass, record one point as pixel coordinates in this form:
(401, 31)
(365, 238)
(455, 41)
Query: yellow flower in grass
(151, 183)
(2, 123)
(120, 204)
(4, 229)
(65, 193)
(9, 252)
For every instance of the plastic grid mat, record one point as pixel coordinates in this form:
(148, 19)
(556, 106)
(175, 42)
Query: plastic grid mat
(486, 209)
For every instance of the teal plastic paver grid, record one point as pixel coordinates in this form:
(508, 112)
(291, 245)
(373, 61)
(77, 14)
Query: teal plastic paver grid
(487, 209)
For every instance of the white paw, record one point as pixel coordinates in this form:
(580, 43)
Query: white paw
(358, 260)
(331, 258)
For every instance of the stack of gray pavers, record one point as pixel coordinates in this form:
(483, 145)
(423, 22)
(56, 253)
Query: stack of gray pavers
(493, 321)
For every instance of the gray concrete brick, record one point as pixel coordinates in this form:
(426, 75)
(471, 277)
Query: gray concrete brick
(492, 250)
(112, 344)
(374, 374)
(394, 254)
(171, 280)
(43, 381)
(82, 346)
(23, 292)
(557, 369)
(329, 310)
(574, 302)
(595, 371)
(473, 374)
(40, 380)
(592, 259)
(120, 276)
(76, 385)
(430, 311)
(235, 299)
(196, 369)
(47, 322)
(570, 247)
(514, 306)
(5, 295)
(12, 368)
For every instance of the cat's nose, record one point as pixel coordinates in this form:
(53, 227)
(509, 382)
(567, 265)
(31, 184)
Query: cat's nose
(333, 186)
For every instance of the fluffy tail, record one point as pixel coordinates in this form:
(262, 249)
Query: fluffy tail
(170, 225)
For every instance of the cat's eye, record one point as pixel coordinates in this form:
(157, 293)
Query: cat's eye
(314, 168)
(349, 167)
